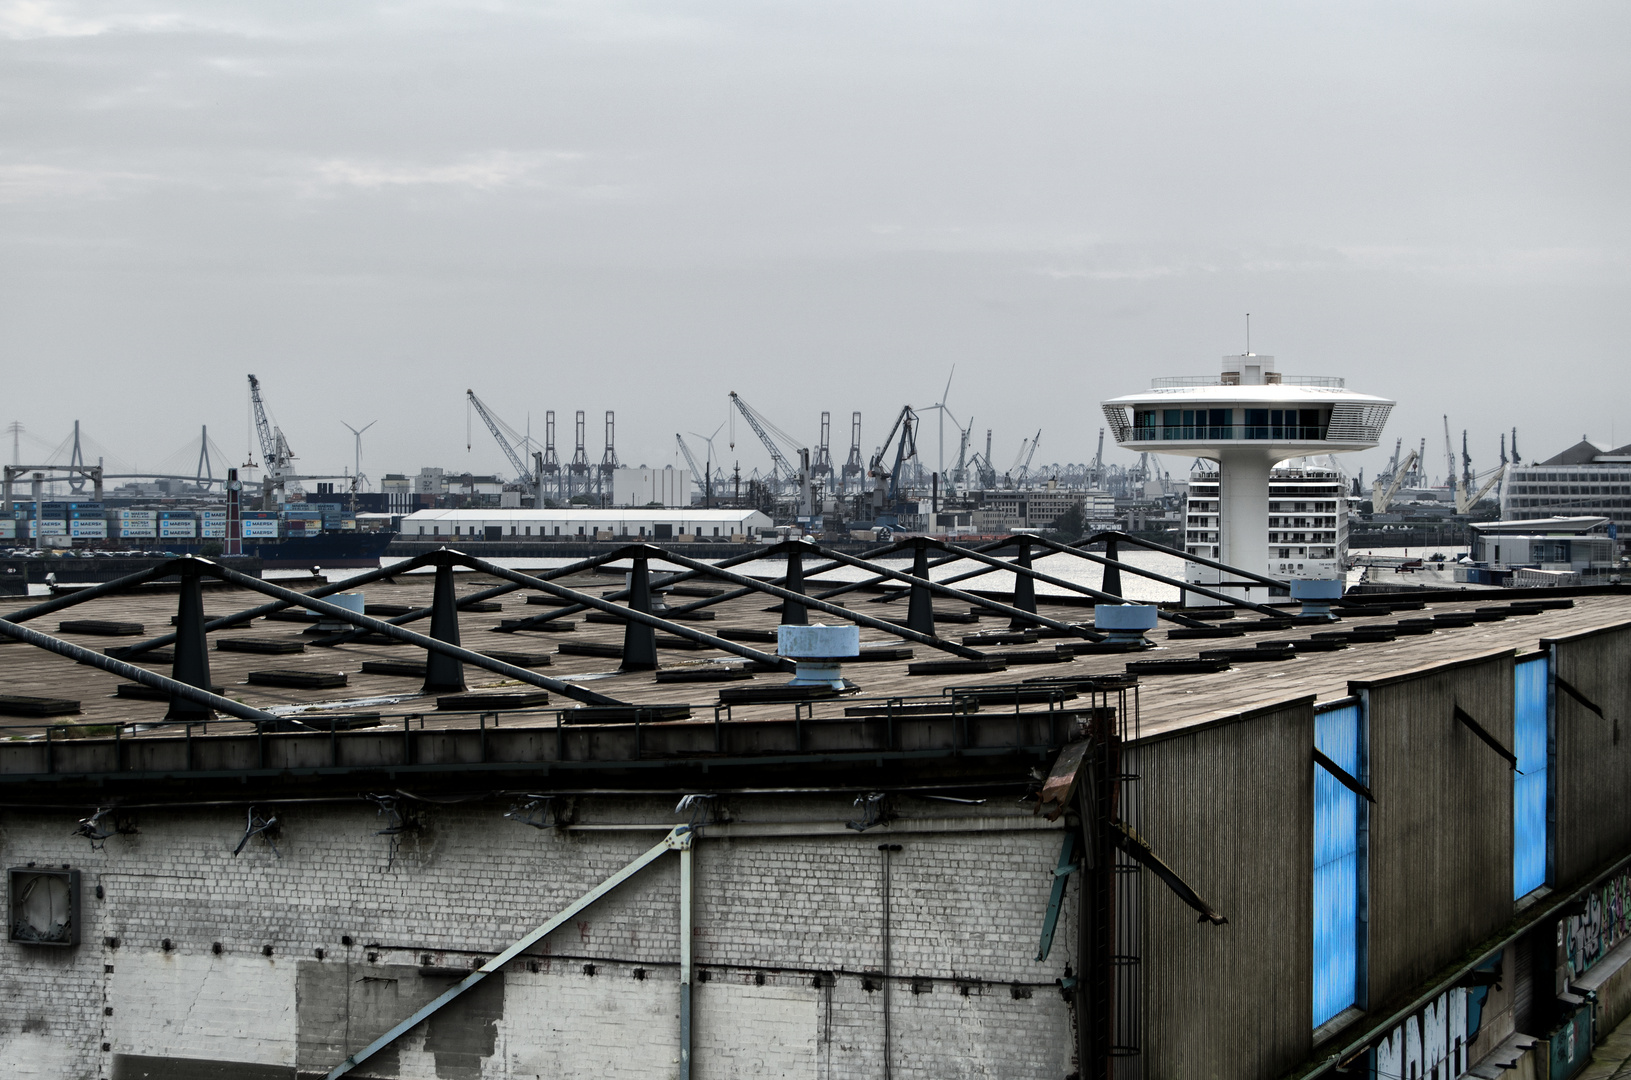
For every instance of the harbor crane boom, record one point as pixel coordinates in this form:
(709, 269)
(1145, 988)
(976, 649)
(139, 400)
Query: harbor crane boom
(782, 469)
(886, 482)
(1449, 456)
(1382, 497)
(274, 447)
(1025, 469)
(853, 469)
(1464, 504)
(698, 477)
(524, 477)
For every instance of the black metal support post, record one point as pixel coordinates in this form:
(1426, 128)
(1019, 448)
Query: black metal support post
(920, 605)
(1024, 587)
(192, 657)
(639, 639)
(1112, 569)
(443, 673)
(794, 614)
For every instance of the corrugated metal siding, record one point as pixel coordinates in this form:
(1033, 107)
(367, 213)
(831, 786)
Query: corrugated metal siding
(1591, 757)
(1529, 782)
(1440, 837)
(1230, 808)
(1336, 865)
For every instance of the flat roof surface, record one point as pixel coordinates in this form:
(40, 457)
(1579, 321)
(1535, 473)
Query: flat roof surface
(1167, 703)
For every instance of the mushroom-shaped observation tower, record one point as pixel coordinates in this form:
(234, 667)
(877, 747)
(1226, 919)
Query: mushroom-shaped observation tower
(1247, 419)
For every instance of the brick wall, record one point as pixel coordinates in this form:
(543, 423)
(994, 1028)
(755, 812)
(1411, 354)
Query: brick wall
(787, 939)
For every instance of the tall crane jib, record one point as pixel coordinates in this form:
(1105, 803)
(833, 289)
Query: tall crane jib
(525, 477)
(887, 490)
(275, 453)
(783, 472)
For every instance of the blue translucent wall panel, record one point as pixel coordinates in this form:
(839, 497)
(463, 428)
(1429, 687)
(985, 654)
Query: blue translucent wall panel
(1529, 786)
(1336, 865)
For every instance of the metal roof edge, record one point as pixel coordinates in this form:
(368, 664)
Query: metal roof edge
(1225, 720)
(1356, 685)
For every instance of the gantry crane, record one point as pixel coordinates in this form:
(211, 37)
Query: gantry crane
(853, 471)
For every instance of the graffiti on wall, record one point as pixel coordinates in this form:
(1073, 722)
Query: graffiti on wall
(1588, 937)
(1432, 1044)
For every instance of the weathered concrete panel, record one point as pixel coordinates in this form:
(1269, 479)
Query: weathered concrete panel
(196, 1005)
(1231, 809)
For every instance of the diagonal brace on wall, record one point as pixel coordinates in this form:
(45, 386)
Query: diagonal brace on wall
(679, 839)
(1569, 688)
(1494, 744)
(1343, 776)
(1141, 852)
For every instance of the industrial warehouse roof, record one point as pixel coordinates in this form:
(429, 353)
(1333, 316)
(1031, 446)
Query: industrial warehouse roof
(380, 679)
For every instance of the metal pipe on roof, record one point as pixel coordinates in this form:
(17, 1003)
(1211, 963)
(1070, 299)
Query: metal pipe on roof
(323, 607)
(971, 598)
(92, 658)
(1232, 601)
(809, 601)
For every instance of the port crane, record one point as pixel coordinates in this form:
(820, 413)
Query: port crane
(853, 470)
(782, 471)
(279, 470)
(822, 465)
(886, 489)
(698, 476)
(274, 447)
(530, 481)
(1463, 502)
(1382, 496)
(1025, 467)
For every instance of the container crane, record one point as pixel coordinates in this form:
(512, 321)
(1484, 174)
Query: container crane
(822, 465)
(782, 471)
(853, 470)
(529, 481)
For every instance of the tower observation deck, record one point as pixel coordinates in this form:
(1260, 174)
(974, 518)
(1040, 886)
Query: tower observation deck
(1248, 419)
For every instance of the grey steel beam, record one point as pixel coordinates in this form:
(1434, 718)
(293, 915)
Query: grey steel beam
(1128, 538)
(808, 601)
(92, 658)
(1233, 601)
(978, 601)
(334, 611)
(678, 840)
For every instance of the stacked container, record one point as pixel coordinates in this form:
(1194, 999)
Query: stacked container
(259, 524)
(213, 524)
(140, 524)
(178, 525)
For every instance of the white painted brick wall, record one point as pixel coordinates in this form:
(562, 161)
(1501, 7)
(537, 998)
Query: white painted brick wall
(965, 907)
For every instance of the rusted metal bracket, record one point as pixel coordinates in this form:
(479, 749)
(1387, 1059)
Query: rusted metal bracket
(1343, 776)
(1569, 688)
(679, 839)
(1141, 852)
(1494, 744)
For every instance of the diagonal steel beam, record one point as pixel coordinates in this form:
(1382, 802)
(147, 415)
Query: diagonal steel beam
(1233, 601)
(654, 621)
(972, 598)
(1127, 538)
(678, 840)
(785, 594)
(92, 658)
(475, 659)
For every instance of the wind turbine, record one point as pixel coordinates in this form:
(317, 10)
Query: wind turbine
(709, 464)
(941, 405)
(358, 477)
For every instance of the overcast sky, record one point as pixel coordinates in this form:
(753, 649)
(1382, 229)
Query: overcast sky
(822, 206)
